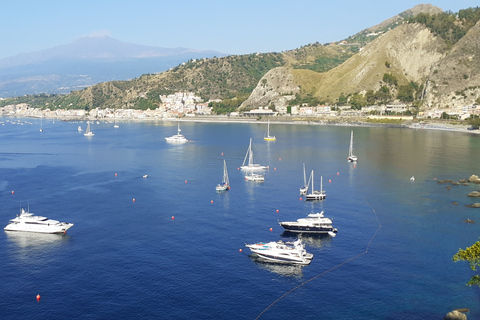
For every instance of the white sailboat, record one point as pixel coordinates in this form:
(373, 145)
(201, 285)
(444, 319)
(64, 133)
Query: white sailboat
(268, 137)
(41, 124)
(177, 138)
(250, 165)
(351, 156)
(88, 132)
(304, 188)
(225, 185)
(316, 195)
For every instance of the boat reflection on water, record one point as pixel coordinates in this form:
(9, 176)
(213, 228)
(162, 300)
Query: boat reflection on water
(30, 240)
(312, 240)
(286, 270)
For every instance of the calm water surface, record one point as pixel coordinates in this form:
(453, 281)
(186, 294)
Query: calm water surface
(127, 259)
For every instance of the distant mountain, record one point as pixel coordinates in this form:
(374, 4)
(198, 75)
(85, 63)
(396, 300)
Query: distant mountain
(85, 62)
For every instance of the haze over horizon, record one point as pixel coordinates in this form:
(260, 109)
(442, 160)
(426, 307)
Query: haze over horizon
(232, 28)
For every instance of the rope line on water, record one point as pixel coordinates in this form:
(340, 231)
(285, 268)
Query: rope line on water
(329, 270)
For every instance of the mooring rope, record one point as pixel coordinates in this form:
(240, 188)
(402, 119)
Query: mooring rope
(329, 270)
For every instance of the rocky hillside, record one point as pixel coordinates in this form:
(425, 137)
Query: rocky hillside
(413, 63)
(428, 61)
(455, 79)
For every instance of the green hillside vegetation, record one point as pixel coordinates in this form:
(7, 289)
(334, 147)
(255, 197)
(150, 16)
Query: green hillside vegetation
(450, 26)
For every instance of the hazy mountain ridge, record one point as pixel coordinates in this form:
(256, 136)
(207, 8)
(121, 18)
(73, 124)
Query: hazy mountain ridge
(85, 62)
(403, 55)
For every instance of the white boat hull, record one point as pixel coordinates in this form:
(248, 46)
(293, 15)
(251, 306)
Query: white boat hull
(62, 228)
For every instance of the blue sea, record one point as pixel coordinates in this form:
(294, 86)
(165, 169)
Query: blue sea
(170, 247)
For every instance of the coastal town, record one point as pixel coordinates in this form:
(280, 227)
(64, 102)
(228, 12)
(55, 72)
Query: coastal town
(187, 104)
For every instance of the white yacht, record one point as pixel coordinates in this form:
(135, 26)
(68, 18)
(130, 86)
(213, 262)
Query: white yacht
(177, 138)
(28, 222)
(255, 177)
(282, 252)
(250, 165)
(312, 223)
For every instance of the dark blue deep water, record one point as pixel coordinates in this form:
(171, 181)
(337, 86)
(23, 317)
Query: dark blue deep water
(128, 259)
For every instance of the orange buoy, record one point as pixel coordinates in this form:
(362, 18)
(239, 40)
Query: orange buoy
(338, 173)
(277, 210)
(330, 181)
(238, 168)
(38, 297)
(186, 181)
(301, 198)
(222, 153)
(173, 217)
(279, 159)
(240, 250)
(211, 201)
(271, 229)
(13, 192)
(115, 174)
(133, 200)
(274, 168)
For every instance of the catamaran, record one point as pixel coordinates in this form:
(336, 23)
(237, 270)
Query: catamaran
(316, 195)
(225, 185)
(267, 136)
(250, 165)
(351, 156)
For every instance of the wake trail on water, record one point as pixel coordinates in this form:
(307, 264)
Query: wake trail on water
(331, 269)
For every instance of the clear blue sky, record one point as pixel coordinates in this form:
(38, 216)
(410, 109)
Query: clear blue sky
(235, 27)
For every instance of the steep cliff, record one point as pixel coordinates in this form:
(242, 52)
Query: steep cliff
(455, 80)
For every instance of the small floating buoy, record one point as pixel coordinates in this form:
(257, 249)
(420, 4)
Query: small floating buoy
(301, 198)
(240, 250)
(38, 297)
(186, 181)
(338, 173)
(277, 210)
(133, 200)
(354, 165)
(279, 159)
(434, 178)
(211, 201)
(238, 168)
(13, 192)
(329, 181)
(173, 217)
(115, 174)
(274, 168)
(271, 229)
(222, 153)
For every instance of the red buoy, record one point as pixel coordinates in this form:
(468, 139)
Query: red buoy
(271, 229)
(329, 181)
(115, 174)
(173, 217)
(133, 200)
(211, 201)
(38, 297)
(301, 198)
(186, 181)
(222, 153)
(240, 250)
(338, 173)
(13, 192)
(277, 210)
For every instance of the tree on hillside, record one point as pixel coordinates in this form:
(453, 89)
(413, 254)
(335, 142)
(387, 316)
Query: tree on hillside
(471, 254)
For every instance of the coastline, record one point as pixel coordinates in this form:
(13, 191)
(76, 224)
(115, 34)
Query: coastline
(428, 124)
